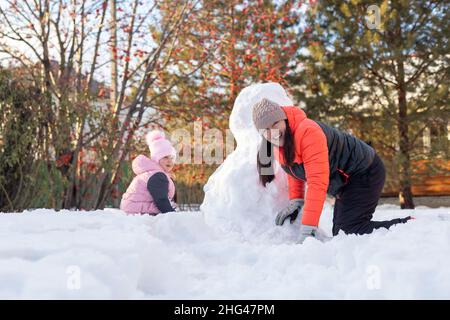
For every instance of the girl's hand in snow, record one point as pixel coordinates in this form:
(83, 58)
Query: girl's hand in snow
(174, 205)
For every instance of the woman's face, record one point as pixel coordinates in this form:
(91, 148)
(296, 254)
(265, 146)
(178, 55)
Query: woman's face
(167, 163)
(275, 134)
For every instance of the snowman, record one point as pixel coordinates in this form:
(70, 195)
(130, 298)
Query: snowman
(235, 201)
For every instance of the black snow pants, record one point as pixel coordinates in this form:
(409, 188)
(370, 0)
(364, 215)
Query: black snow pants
(356, 203)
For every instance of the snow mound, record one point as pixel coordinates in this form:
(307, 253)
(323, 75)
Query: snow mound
(107, 255)
(234, 200)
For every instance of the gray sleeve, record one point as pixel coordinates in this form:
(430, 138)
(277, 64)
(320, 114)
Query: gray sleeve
(158, 186)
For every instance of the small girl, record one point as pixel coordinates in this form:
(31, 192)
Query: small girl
(152, 190)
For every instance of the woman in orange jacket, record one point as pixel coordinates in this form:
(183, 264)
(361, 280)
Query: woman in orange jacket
(329, 161)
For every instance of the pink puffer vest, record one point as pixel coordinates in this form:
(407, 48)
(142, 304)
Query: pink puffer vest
(137, 199)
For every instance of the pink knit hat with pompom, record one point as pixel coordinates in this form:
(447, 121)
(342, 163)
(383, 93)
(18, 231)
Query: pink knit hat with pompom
(159, 146)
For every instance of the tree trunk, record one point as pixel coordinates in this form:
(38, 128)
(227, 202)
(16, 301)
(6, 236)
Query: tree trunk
(113, 26)
(405, 193)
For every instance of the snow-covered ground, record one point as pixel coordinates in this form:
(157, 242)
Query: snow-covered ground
(108, 255)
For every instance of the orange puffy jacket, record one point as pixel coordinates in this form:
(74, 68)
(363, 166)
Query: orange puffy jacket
(311, 150)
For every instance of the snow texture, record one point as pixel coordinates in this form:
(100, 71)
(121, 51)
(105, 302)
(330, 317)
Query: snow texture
(107, 255)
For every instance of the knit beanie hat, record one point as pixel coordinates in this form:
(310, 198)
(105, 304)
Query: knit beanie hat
(159, 146)
(266, 113)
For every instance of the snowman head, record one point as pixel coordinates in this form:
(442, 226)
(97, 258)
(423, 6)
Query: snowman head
(241, 119)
